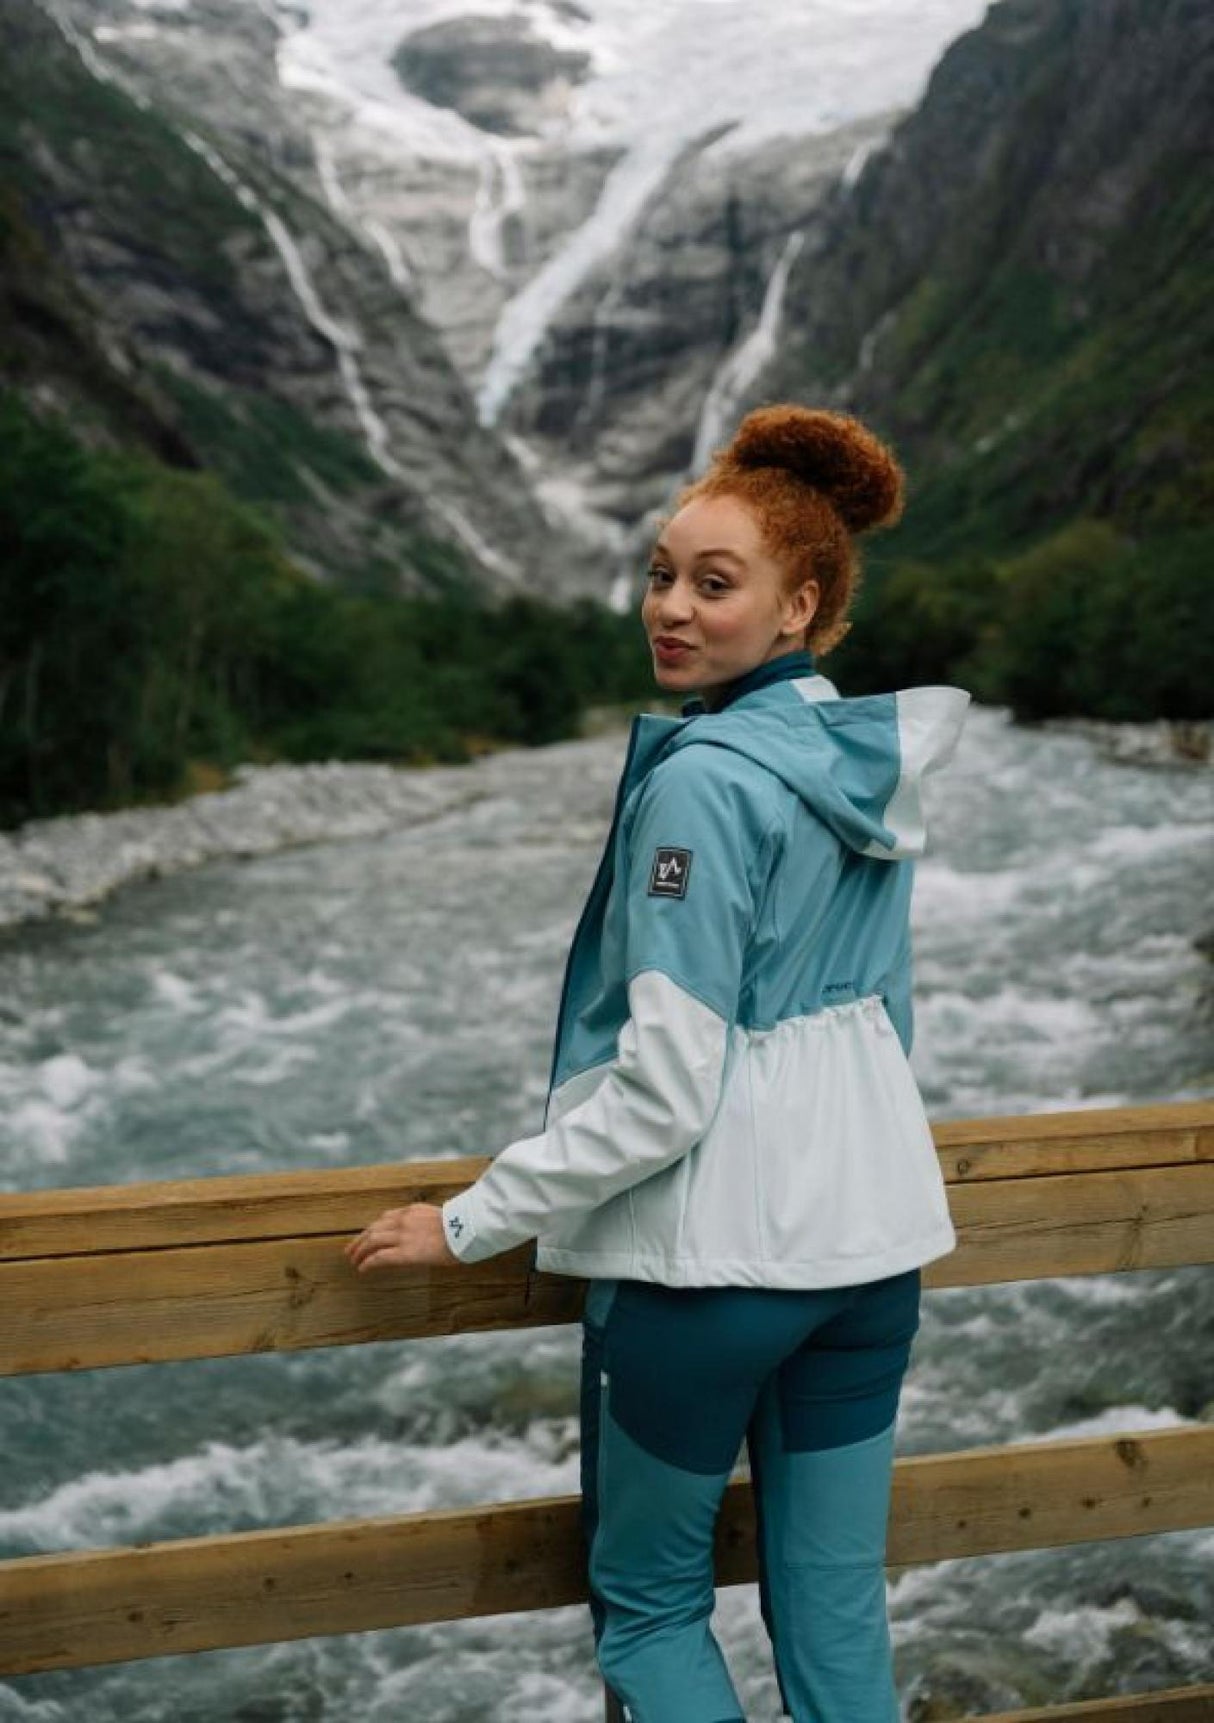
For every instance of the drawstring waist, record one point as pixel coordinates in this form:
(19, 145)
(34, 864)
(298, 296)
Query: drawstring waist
(869, 1006)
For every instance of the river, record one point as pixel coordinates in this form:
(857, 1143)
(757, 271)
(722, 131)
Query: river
(394, 997)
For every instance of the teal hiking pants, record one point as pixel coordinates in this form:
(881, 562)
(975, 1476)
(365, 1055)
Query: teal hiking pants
(673, 1381)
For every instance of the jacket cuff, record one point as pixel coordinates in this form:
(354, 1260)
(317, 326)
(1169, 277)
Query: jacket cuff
(464, 1224)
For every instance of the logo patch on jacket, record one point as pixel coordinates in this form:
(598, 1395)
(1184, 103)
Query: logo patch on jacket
(668, 876)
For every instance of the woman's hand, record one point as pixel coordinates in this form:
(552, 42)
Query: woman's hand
(409, 1237)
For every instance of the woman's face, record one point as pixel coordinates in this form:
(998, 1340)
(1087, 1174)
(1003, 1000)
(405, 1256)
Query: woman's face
(715, 604)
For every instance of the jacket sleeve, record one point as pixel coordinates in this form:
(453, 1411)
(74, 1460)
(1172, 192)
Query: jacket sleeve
(697, 855)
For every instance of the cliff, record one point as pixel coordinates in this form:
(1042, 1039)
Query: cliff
(165, 290)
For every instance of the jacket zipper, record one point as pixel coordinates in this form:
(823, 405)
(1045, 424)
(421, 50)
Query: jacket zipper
(591, 903)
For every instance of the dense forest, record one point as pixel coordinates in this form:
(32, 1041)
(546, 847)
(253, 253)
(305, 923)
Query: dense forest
(153, 633)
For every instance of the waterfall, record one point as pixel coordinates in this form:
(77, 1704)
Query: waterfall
(344, 340)
(480, 547)
(93, 61)
(373, 231)
(500, 194)
(739, 369)
(525, 319)
(856, 160)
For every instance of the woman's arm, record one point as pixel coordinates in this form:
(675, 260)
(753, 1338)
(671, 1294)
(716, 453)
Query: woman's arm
(698, 854)
(656, 1100)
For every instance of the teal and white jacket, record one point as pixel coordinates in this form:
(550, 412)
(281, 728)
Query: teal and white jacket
(731, 1100)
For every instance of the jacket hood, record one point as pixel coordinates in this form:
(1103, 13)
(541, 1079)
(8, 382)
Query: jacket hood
(858, 763)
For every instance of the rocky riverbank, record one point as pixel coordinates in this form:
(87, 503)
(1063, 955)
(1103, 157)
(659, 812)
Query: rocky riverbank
(1166, 742)
(67, 863)
(64, 865)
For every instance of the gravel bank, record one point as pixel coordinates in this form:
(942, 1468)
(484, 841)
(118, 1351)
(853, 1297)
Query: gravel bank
(1165, 742)
(64, 864)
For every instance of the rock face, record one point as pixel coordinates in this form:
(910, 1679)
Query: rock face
(432, 260)
(496, 72)
(411, 329)
(634, 366)
(277, 344)
(1017, 286)
(1012, 281)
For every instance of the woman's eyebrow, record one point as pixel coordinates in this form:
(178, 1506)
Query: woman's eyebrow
(719, 550)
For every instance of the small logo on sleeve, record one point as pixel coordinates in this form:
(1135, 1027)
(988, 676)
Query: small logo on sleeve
(668, 876)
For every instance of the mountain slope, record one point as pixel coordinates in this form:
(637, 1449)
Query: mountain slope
(1020, 287)
(588, 273)
(255, 334)
(1012, 280)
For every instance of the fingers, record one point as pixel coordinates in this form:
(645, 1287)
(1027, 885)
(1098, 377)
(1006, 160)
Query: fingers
(385, 1255)
(382, 1233)
(407, 1237)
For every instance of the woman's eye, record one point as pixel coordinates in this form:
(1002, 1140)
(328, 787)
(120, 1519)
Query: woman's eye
(716, 585)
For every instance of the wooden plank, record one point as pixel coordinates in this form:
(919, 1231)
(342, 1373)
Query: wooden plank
(1167, 1705)
(204, 1301)
(1039, 1495)
(141, 1307)
(231, 1207)
(349, 1576)
(106, 1606)
(1079, 1223)
(1084, 1140)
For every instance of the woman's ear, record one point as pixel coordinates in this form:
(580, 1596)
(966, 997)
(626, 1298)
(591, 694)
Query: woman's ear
(800, 607)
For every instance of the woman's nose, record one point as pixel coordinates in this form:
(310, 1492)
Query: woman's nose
(673, 603)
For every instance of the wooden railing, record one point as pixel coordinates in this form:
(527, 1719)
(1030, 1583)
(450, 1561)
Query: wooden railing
(211, 1267)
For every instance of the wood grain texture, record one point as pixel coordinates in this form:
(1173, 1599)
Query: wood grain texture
(1079, 1223)
(225, 1208)
(280, 1295)
(1082, 1140)
(232, 1295)
(259, 1206)
(349, 1576)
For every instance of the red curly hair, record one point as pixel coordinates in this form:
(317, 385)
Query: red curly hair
(813, 479)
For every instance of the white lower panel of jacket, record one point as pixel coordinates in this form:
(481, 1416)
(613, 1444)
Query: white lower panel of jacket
(817, 1168)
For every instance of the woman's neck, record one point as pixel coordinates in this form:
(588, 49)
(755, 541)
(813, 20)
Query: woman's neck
(798, 661)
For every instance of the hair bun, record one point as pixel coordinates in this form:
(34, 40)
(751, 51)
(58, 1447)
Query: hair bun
(831, 451)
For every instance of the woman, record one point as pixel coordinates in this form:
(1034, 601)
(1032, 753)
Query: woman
(735, 1152)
